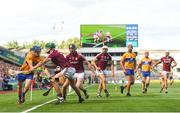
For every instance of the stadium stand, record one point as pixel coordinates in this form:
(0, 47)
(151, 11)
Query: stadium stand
(7, 82)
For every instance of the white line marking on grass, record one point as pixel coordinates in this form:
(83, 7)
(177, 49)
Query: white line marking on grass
(35, 107)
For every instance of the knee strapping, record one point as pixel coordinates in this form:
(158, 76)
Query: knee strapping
(132, 83)
(143, 82)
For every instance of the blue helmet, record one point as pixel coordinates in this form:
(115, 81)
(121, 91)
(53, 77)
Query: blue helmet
(36, 48)
(72, 46)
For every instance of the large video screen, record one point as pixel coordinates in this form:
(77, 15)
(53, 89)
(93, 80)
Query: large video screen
(119, 35)
(132, 34)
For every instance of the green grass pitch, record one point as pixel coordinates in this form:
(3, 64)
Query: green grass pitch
(153, 101)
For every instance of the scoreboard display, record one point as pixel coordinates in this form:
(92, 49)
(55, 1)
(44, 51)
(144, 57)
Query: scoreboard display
(111, 35)
(132, 34)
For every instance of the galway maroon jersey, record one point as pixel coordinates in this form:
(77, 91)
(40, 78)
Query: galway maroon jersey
(59, 59)
(167, 63)
(76, 60)
(102, 60)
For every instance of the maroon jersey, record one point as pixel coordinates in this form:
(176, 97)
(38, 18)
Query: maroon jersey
(103, 59)
(167, 63)
(59, 59)
(76, 60)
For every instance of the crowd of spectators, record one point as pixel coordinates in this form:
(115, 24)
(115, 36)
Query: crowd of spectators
(5, 79)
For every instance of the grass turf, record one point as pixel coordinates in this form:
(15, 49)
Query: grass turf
(153, 101)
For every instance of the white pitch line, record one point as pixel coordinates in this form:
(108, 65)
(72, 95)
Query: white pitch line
(35, 107)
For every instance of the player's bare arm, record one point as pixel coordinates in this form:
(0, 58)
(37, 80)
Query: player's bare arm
(135, 64)
(158, 62)
(89, 64)
(94, 63)
(40, 63)
(122, 65)
(152, 64)
(112, 70)
(138, 66)
(46, 71)
(174, 64)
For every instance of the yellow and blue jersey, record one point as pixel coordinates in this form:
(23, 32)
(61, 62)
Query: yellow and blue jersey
(146, 64)
(129, 60)
(30, 59)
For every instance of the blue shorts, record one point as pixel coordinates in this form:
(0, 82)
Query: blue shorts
(129, 72)
(146, 73)
(22, 77)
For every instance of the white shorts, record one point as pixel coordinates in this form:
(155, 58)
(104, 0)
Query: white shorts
(101, 72)
(95, 37)
(79, 75)
(68, 72)
(166, 73)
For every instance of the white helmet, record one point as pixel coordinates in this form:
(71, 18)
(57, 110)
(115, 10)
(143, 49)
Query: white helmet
(105, 47)
(167, 51)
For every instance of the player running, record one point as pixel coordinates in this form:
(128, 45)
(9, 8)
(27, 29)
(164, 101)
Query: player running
(145, 65)
(31, 59)
(108, 37)
(128, 64)
(77, 61)
(165, 74)
(100, 62)
(67, 70)
(96, 37)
